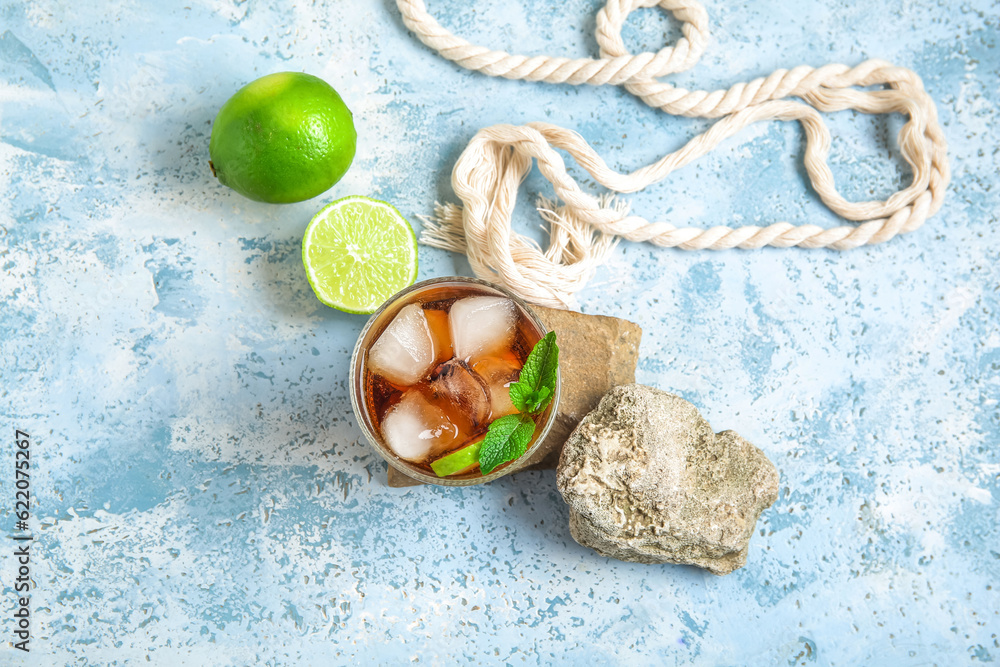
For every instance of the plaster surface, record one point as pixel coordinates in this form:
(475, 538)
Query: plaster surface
(204, 496)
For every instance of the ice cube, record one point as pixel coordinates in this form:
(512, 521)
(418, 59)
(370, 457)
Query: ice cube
(498, 374)
(404, 353)
(454, 383)
(415, 430)
(481, 325)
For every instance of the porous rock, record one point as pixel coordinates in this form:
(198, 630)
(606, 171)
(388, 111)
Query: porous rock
(648, 481)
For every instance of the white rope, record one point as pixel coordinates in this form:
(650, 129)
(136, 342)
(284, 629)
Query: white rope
(584, 229)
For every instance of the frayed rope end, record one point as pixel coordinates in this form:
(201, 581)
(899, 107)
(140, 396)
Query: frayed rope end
(444, 229)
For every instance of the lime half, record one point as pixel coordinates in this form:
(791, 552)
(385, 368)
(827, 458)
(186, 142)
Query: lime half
(358, 252)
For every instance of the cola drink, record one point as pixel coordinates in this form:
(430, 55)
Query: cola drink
(432, 369)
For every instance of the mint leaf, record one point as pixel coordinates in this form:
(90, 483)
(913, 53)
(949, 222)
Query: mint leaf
(533, 401)
(538, 399)
(519, 394)
(506, 440)
(537, 382)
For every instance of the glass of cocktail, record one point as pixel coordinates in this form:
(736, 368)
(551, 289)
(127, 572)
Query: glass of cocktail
(431, 371)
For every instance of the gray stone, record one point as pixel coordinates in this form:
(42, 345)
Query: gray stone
(648, 481)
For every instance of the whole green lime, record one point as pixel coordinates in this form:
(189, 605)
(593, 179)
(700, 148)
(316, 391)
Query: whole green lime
(283, 138)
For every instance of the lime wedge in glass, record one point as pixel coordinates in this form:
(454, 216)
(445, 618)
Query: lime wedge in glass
(460, 460)
(358, 252)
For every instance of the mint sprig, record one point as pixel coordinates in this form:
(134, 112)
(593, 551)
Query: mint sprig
(508, 437)
(537, 383)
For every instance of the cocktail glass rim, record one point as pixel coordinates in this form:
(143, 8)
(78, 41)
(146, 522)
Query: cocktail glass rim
(361, 413)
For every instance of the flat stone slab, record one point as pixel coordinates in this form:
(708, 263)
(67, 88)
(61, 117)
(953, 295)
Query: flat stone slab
(596, 353)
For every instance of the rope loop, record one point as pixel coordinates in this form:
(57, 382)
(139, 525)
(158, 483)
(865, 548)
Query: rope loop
(584, 228)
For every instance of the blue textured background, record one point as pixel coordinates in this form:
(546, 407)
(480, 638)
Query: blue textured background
(204, 495)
